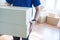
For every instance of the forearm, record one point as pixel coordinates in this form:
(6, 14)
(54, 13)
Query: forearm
(37, 13)
(38, 10)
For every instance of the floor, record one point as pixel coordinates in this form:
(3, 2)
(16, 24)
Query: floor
(44, 32)
(40, 32)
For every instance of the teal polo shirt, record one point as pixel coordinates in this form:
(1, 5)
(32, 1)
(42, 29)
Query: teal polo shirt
(24, 3)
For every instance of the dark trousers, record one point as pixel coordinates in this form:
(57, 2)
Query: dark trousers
(18, 38)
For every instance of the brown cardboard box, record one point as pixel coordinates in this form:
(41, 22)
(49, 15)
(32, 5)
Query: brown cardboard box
(52, 20)
(42, 19)
(51, 15)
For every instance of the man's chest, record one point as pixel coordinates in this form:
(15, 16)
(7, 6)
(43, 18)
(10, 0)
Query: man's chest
(23, 1)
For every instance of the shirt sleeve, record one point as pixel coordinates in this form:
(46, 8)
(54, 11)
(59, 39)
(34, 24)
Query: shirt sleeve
(36, 3)
(9, 1)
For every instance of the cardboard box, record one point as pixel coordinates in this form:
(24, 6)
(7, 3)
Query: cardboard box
(42, 19)
(51, 14)
(52, 20)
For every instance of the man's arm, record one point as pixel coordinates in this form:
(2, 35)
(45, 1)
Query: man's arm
(37, 13)
(38, 9)
(36, 4)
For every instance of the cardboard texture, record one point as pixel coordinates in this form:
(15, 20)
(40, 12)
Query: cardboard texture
(52, 20)
(42, 19)
(51, 14)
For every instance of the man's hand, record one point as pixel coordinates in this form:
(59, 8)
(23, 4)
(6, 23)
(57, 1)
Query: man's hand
(31, 23)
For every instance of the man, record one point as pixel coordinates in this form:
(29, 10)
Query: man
(26, 3)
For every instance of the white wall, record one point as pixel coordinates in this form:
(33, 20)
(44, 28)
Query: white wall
(43, 2)
(51, 7)
(2, 1)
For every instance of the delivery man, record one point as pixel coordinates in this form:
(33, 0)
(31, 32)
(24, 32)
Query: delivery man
(26, 3)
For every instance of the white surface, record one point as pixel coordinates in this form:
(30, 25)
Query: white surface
(14, 20)
(15, 8)
(58, 24)
(2, 1)
(44, 32)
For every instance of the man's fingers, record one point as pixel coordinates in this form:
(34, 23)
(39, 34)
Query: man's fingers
(32, 22)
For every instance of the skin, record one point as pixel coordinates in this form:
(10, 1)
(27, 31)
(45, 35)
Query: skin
(37, 13)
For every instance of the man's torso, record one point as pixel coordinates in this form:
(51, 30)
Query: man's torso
(23, 3)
